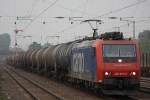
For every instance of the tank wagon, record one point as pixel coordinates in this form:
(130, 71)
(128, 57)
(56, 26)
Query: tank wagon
(145, 64)
(110, 64)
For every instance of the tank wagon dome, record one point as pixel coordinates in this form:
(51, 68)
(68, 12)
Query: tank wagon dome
(85, 43)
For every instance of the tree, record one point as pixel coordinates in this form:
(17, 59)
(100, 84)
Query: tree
(34, 46)
(144, 40)
(4, 43)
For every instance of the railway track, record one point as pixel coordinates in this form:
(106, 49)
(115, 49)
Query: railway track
(34, 90)
(14, 74)
(100, 98)
(53, 87)
(145, 85)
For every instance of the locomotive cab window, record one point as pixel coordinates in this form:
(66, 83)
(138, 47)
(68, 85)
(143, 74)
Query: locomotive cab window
(112, 52)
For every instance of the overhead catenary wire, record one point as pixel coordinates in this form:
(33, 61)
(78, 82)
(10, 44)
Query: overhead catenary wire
(51, 5)
(123, 8)
(34, 3)
(82, 12)
(85, 12)
(141, 21)
(85, 7)
(127, 24)
(138, 21)
(74, 10)
(123, 25)
(70, 27)
(117, 10)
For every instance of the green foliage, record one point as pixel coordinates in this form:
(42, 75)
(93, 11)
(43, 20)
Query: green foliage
(4, 43)
(145, 45)
(34, 46)
(3, 97)
(144, 41)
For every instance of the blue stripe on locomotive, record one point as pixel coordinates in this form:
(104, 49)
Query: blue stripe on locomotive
(83, 63)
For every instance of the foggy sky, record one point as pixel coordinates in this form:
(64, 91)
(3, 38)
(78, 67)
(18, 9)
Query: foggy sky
(88, 9)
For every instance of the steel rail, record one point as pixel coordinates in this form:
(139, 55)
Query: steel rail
(34, 83)
(26, 90)
(144, 88)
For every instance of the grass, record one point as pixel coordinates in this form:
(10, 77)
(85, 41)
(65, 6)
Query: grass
(2, 95)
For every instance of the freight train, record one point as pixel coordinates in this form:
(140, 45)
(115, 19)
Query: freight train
(110, 63)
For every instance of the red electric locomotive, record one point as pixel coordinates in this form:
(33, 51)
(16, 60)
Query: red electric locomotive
(118, 65)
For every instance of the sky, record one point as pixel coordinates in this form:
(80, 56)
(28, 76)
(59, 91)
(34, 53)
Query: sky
(40, 20)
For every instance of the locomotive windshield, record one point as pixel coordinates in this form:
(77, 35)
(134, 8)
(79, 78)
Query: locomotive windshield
(119, 51)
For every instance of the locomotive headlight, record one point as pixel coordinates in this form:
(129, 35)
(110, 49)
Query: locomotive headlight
(134, 73)
(119, 60)
(106, 73)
